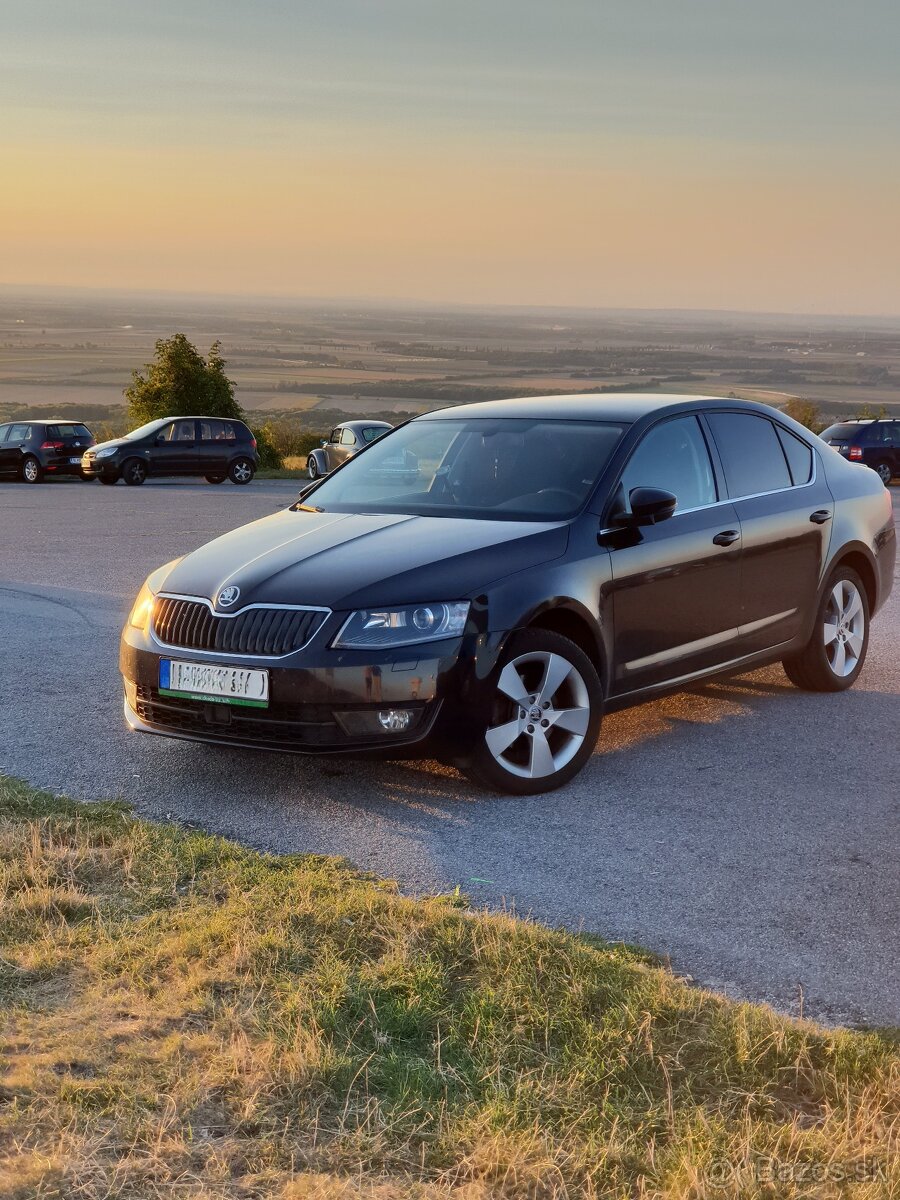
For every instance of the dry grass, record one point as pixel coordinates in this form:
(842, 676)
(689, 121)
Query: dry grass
(185, 1018)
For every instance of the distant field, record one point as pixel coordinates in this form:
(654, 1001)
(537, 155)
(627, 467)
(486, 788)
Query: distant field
(322, 362)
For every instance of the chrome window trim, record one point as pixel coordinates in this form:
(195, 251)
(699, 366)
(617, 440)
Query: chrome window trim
(217, 654)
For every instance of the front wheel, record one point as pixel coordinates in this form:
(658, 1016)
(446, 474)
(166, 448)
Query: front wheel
(885, 472)
(834, 655)
(32, 471)
(134, 472)
(241, 471)
(312, 468)
(541, 718)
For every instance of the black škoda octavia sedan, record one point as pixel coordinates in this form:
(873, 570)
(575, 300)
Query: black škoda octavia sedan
(548, 560)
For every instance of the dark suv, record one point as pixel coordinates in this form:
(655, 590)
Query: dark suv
(875, 443)
(214, 449)
(33, 449)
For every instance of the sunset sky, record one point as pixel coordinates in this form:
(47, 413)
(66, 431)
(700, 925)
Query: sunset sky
(648, 153)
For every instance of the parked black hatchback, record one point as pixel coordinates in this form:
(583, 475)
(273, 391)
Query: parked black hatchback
(548, 560)
(31, 450)
(214, 449)
(874, 443)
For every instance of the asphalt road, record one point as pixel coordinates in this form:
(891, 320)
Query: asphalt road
(745, 829)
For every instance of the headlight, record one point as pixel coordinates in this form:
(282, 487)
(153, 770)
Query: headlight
(139, 616)
(381, 628)
(110, 450)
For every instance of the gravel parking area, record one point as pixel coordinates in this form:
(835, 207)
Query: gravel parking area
(745, 829)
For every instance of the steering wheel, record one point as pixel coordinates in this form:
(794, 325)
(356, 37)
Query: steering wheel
(558, 491)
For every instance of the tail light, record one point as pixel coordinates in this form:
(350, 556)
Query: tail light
(855, 452)
(253, 442)
(53, 445)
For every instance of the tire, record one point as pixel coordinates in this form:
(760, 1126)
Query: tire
(833, 657)
(32, 471)
(87, 478)
(215, 478)
(311, 468)
(134, 471)
(512, 752)
(109, 480)
(241, 471)
(885, 472)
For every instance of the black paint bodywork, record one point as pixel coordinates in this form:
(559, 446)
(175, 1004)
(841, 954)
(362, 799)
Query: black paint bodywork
(656, 607)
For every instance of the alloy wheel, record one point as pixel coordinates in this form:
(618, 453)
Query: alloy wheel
(31, 469)
(241, 471)
(844, 628)
(541, 715)
(885, 474)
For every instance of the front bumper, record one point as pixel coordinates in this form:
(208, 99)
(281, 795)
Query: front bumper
(93, 468)
(316, 696)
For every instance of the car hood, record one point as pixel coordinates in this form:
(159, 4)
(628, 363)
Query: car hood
(109, 442)
(348, 560)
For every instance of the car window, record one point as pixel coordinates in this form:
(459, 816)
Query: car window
(230, 434)
(751, 453)
(371, 432)
(68, 431)
(798, 454)
(212, 431)
(672, 456)
(179, 431)
(348, 438)
(871, 435)
(20, 433)
(335, 436)
(4, 430)
(507, 468)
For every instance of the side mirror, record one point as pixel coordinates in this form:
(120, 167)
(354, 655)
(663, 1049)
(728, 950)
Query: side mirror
(324, 442)
(649, 506)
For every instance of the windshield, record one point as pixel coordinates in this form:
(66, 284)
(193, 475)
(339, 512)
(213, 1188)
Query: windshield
(841, 433)
(501, 469)
(145, 429)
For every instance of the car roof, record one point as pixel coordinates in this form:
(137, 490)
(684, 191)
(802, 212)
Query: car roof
(366, 424)
(623, 407)
(43, 421)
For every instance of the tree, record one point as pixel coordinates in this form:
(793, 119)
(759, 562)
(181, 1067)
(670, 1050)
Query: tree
(180, 383)
(806, 412)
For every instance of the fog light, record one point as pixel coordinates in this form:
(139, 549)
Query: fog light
(394, 720)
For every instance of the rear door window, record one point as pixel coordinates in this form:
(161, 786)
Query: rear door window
(751, 453)
(348, 438)
(20, 433)
(212, 431)
(672, 456)
(798, 454)
(4, 430)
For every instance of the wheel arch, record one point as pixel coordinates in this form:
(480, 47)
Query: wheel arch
(856, 558)
(571, 620)
(319, 455)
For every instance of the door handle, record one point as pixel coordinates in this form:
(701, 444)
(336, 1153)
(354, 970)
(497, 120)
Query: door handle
(820, 516)
(726, 538)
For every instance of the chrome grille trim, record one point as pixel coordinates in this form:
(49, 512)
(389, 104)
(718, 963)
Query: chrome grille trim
(255, 631)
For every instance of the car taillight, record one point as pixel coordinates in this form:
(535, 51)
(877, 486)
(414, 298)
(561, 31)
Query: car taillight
(253, 442)
(53, 445)
(855, 452)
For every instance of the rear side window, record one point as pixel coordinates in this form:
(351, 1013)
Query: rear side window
(798, 454)
(20, 433)
(212, 431)
(4, 430)
(672, 456)
(751, 454)
(348, 438)
(370, 433)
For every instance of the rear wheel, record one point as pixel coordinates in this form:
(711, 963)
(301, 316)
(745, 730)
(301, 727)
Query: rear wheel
(834, 655)
(542, 716)
(241, 471)
(215, 478)
(885, 472)
(134, 472)
(32, 471)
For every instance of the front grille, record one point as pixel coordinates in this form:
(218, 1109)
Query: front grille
(263, 632)
(288, 725)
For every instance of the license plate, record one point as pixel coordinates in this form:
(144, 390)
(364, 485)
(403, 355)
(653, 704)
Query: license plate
(208, 681)
(75, 461)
